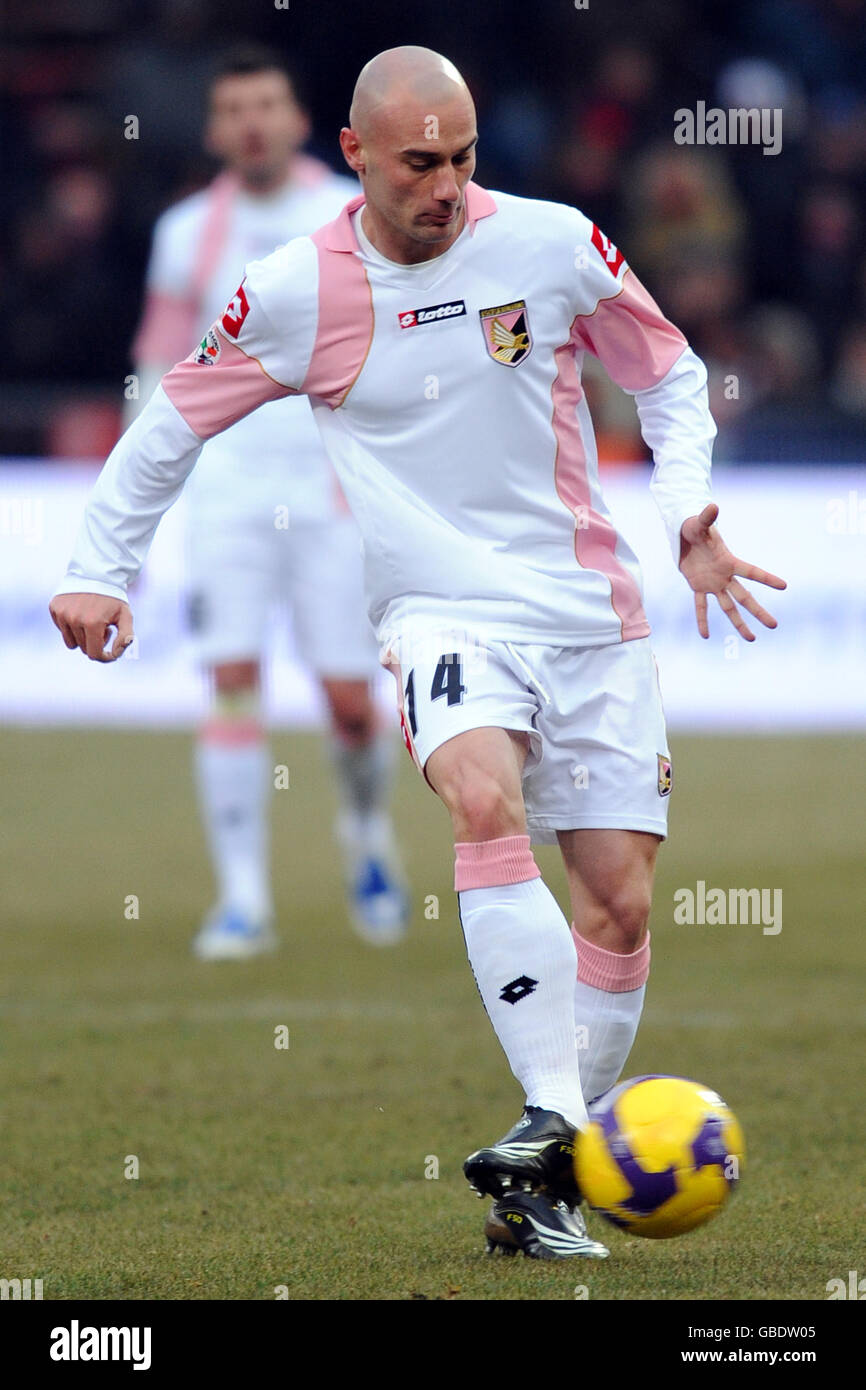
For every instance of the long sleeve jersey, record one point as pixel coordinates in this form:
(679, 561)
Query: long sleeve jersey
(448, 397)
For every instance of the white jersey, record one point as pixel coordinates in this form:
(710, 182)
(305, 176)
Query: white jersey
(199, 246)
(448, 397)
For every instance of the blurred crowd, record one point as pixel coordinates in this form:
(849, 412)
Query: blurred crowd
(759, 258)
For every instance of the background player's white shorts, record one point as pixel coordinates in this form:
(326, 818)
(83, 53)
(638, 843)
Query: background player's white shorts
(598, 749)
(242, 570)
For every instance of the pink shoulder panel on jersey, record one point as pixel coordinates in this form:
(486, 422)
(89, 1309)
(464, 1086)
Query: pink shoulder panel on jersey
(212, 396)
(594, 536)
(630, 336)
(344, 329)
(346, 319)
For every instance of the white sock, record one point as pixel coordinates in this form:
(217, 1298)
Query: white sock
(524, 962)
(233, 786)
(611, 1022)
(608, 1001)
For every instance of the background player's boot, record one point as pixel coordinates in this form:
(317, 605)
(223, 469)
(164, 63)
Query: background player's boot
(541, 1226)
(231, 935)
(538, 1152)
(378, 896)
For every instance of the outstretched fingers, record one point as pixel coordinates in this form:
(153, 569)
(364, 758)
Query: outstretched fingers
(730, 609)
(760, 576)
(701, 613)
(751, 604)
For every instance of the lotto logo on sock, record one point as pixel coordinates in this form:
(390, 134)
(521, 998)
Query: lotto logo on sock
(517, 990)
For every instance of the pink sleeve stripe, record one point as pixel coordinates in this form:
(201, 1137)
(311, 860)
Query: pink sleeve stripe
(594, 536)
(607, 969)
(630, 336)
(213, 396)
(167, 328)
(490, 863)
(345, 324)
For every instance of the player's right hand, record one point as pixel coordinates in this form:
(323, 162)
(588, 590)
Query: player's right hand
(86, 620)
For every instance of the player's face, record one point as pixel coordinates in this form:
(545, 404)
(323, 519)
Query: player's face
(255, 125)
(414, 168)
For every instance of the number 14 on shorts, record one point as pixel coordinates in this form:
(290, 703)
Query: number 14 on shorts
(447, 682)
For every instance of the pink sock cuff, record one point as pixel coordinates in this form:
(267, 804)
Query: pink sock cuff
(232, 733)
(609, 970)
(493, 862)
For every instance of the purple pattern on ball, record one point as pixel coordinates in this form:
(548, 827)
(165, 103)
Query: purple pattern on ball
(709, 1148)
(649, 1190)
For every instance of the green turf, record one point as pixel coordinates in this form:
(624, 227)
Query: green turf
(305, 1167)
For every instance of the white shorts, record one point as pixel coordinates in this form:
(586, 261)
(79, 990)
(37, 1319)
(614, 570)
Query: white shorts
(598, 748)
(243, 569)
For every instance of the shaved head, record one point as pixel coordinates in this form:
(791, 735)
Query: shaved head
(411, 142)
(401, 76)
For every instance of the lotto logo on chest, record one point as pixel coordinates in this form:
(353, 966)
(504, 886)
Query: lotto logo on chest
(433, 313)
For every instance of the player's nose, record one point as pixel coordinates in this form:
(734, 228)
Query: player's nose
(446, 188)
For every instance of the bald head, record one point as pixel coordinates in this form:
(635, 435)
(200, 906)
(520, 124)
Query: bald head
(412, 144)
(404, 77)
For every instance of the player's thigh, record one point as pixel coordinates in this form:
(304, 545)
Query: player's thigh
(232, 576)
(324, 577)
(478, 775)
(468, 721)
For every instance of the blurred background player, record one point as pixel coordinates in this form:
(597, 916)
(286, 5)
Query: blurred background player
(267, 520)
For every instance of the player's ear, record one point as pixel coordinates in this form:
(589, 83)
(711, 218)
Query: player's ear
(352, 149)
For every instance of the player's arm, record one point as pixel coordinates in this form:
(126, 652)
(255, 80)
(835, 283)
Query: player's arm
(648, 357)
(232, 373)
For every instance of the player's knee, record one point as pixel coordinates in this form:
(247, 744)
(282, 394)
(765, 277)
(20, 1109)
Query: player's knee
(620, 917)
(483, 809)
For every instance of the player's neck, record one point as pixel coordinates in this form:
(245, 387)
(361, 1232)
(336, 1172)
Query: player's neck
(400, 249)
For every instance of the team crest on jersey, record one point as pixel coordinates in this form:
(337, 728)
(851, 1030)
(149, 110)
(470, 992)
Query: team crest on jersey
(666, 775)
(238, 308)
(208, 350)
(506, 332)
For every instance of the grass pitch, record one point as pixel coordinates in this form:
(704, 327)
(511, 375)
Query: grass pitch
(262, 1169)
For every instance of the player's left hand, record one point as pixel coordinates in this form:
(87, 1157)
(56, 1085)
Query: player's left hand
(710, 568)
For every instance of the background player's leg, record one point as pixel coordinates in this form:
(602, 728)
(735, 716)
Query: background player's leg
(364, 754)
(518, 941)
(610, 876)
(233, 786)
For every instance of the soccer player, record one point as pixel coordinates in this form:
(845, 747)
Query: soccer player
(439, 330)
(267, 519)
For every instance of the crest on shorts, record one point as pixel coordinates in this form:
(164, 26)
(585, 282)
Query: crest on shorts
(666, 775)
(506, 332)
(208, 350)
